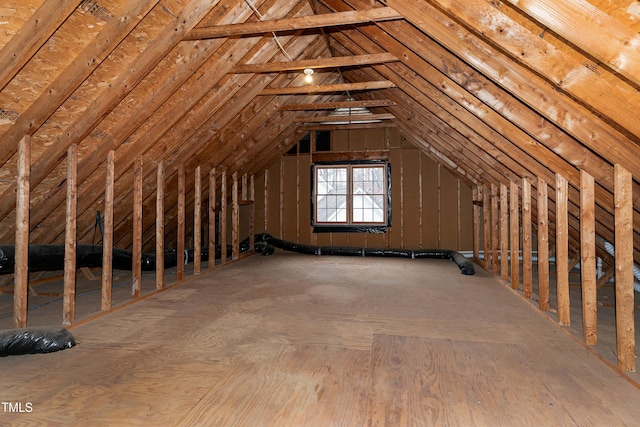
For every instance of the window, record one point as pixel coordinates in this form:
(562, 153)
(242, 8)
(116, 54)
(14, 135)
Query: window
(351, 197)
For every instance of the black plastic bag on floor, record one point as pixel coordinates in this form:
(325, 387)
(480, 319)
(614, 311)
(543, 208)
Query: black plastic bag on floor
(34, 340)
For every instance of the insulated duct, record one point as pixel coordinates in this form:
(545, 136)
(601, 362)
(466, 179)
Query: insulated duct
(51, 257)
(465, 265)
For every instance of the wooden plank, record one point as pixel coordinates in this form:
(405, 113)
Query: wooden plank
(486, 226)
(235, 218)
(543, 244)
(346, 120)
(69, 291)
(476, 220)
(252, 215)
(160, 225)
(330, 62)
(136, 262)
(343, 156)
(298, 23)
(527, 84)
(212, 218)
(307, 351)
(581, 77)
(281, 228)
(625, 326)
(266, 199)
(514, 233)
(181, 223)
(588, 259)
(605, 278)
(125, 82)
(31, 36)
(69, 80)
(197, 221)
(107, 241)
(592, 30)
(21, 269)
(244, 188)
(495, 229)
(562, 251)
(298, 173)
(527, 263)
(338, 87)
(223, 217)
(504, 232)
(367, 103)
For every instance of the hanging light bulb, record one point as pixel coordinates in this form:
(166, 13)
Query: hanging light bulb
(308, 78)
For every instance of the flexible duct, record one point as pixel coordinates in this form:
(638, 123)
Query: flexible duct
(51, 257)
(636, 270)
(34, 340)
(465, 265)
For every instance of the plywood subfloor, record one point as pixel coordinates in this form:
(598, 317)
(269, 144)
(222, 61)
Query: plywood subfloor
(295, 340)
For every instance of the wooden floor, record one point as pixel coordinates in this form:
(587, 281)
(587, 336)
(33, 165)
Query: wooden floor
(296, 340)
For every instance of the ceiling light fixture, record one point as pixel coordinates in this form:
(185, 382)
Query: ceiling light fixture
(308, 77)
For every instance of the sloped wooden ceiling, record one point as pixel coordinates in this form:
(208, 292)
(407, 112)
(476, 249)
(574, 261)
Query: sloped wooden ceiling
(494, 91)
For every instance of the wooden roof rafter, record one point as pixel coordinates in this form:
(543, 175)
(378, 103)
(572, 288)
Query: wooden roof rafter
(386, 43)
(367, 103)
(586, 26)
(290, 24)
(339, 87)
(320, 63)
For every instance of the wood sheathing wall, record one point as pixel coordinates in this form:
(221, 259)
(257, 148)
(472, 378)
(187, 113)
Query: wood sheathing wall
(431, 208)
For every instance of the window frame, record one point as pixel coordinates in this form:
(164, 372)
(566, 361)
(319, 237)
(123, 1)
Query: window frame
(349, 225)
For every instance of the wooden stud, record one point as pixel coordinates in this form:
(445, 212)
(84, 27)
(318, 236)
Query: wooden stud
(266, 199)
(514, 218)
(244, 188)
(543, 245)
(314, 236)
(136, 263)
(212, 218)
(439, 203)
(197, 206)
(527, 267)
(252, 214)
(69, 292)
(562, 251)
(504, 231)
(476, 219)
(21, 269)
(160, 226)
(495, 229)
(223, 218)
(282, 197)
(588, 259)
(181, 223)
(297, 192)
(235, 218)
(625, 327)
(486, 227)
(107, 241)
(458, 215)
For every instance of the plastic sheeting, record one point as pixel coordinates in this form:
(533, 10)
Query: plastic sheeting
(465, 265)
(34, 340)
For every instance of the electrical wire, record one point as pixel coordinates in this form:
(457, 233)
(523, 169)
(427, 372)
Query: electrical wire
(275, 37)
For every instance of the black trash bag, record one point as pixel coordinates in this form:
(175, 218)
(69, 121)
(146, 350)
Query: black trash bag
(34, 340)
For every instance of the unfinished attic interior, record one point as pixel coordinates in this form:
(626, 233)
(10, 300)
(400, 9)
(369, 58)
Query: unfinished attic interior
(152, 150)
